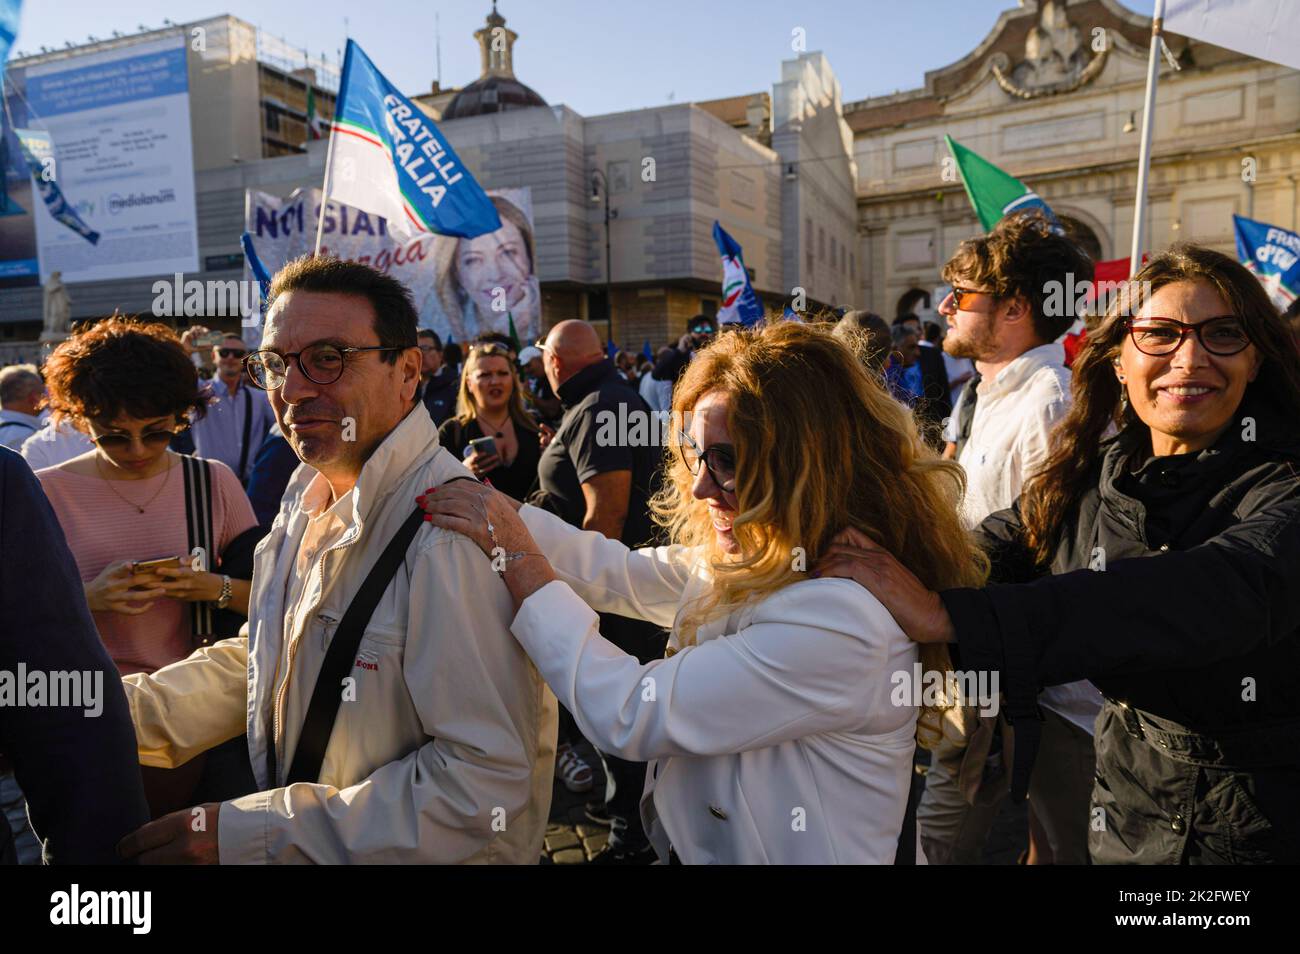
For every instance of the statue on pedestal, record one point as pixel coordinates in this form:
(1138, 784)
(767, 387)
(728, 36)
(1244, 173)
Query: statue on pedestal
(58, 309)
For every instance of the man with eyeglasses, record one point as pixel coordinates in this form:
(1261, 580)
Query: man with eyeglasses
(238, 418)
(999, 316)
(438, 383)
(431, 739)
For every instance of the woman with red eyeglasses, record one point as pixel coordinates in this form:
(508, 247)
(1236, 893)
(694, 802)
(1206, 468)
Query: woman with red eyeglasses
(130, 386)
(1156, 553)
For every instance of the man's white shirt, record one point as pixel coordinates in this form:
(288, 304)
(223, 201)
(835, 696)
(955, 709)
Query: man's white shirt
(51, 446)
(1014, 415)
(16, 427)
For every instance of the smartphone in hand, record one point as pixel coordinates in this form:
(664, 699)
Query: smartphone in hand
(486, 446)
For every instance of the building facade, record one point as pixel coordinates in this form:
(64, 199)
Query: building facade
(1053, 95)
(836, 204)
(669, 172)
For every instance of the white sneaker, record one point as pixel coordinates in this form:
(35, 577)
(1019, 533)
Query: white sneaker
(571, 770)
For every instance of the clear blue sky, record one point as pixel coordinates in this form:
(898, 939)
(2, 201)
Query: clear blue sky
(596, 56)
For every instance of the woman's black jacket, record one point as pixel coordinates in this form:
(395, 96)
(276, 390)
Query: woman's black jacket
(1175, 587)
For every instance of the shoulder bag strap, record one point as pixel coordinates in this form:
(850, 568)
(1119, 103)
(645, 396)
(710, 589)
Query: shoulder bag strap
(328, 693)
(323, 709)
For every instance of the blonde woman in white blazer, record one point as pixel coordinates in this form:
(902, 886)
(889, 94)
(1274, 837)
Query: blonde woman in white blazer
(769, 725)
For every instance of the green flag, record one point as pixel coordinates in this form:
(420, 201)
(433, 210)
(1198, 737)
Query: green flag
(992, 192)
(314, 130)
(514, 335)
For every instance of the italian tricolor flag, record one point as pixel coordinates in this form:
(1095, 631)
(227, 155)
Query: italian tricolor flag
(389, 158)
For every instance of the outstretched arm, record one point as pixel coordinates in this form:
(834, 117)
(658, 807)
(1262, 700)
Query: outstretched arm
(1061, 628)
(803, 665)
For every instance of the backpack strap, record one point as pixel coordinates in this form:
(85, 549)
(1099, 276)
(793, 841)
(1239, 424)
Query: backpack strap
(198, 525)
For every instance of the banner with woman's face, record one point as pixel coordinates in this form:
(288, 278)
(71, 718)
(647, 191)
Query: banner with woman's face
(462, 287)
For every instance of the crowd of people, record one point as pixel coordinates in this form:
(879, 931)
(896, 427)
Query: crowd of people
(361, 596)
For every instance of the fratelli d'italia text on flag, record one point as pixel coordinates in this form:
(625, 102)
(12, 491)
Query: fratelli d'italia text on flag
(391, 160)
(992, 192)
(739, 303)
(1273, 255)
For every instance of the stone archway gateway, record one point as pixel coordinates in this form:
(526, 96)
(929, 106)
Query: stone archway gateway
(911, 300)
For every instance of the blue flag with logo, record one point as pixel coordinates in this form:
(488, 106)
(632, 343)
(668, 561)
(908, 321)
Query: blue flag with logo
(1272, 253)
(739, 303)
(389, 158)
(38, 150)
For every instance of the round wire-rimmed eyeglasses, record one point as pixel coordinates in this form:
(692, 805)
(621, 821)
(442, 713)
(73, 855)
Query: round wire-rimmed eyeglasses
(319, 363)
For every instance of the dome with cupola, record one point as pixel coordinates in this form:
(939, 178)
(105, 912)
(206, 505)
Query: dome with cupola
(497, 89)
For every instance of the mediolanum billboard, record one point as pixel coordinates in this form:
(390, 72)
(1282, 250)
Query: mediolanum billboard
(119, 121)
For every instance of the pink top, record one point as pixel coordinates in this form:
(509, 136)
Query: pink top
(102, 528)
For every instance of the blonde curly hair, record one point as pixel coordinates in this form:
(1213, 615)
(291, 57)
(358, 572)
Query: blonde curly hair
(820, 446)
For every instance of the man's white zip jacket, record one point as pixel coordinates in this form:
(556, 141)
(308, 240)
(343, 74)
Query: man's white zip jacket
(444, 749)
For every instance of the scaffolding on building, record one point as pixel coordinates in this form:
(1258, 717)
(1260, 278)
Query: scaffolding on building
(279, 53)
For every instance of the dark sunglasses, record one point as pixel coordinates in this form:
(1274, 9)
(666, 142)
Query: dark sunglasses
(231, 352)
(148, 439)
(960, 293)
(1163, 336)
(719, 460)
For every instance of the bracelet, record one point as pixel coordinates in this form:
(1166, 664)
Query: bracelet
(226, 593)
(511, 557)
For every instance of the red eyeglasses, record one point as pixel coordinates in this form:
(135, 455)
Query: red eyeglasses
(1223, 335)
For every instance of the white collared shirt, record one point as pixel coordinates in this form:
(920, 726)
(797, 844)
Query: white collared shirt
(16, 427)
(1014, 415)
(327, 523)
(51, 446)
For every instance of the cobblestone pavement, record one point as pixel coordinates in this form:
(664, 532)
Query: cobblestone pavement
(573, 839)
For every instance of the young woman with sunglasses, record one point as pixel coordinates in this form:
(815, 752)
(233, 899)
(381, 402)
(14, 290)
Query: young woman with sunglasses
(1156, 553)
(769, 725)
(130, 386)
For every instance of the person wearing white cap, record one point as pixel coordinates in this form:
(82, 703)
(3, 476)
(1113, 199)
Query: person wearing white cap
(537, 389)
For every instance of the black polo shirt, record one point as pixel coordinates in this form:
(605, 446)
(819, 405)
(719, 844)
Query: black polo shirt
(590, 441)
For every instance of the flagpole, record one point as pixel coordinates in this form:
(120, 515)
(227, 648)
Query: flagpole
(1144, 157)
(325, 187)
